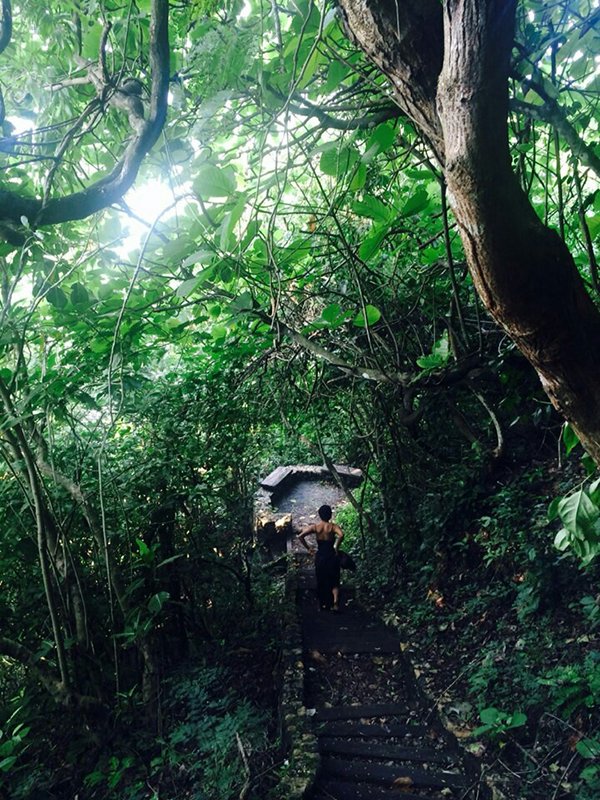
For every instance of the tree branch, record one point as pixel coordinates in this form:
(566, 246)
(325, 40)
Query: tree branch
(110, 189)
(552, 114)
(46, 675)
(5, 36)
(366, 122)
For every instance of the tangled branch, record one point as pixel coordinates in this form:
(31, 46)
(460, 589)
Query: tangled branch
(110, 189)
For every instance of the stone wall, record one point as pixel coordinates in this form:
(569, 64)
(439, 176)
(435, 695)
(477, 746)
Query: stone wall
(298, 740)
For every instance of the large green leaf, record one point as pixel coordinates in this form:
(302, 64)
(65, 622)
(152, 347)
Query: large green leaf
(337, 161)
(439, 355)
(372, 244)
(79, 294)
(418, 202)
(187, 287)
(211, 181)
(230, 220)
(57, 297)
(381, 139)
(371, 315)
(331, 313)
(579, 514)
(359, 179)
(336, 74)
(373, 208)
(569, 438)
(157, 601)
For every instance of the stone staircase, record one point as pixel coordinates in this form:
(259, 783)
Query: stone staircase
(378, 738)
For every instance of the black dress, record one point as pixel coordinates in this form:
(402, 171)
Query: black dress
(327, 568)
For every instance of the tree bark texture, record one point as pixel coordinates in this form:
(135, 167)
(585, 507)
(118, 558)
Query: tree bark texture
(522, 270)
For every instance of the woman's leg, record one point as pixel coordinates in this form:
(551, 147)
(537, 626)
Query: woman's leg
(336, 598)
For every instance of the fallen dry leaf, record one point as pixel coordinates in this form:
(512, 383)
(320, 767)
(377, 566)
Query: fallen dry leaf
(402, 784)
(319, 658)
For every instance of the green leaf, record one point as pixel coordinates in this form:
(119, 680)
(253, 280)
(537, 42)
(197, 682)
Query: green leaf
(144, 549)
(337, 73)
(588, 464)
(170, 560)
(569, 437)
(218, 332)
(562, 540)
(481, 730)
(588, 748)
(373, 208)
(372, 244)
(593, 224)
(381, 139)
(100, 346)
(359, 179)
(57, 297)
(594, 491)
(439, 355)
(211, 181)
(418, 202)
(157, 601)
(243, 302)
(187, 287)
(200, 257)
(177, 248)
(553, 509)
(489, 716)
(579, 515)
(331, 313)
(230, 220)
(338, 160)
(589, 774)
(79, 294)
(105, 290)
(7, 748)
(517, 720)
(372, 316)
(91, 40)
(316, 58)
(7, 763)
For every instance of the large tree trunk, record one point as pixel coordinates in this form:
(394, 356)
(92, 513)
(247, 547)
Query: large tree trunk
(521, 269)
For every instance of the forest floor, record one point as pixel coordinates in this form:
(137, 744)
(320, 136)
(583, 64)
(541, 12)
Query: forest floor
(514, 634)
(494, 634)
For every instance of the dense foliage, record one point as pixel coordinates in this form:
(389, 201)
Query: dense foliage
(284, 283)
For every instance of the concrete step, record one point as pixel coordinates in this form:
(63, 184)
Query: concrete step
(391, 776)
(391, 752)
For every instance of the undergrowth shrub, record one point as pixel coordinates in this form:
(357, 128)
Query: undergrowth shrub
(216, 734)
(572, 686)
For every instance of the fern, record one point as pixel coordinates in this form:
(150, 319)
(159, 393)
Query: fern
(205, 741)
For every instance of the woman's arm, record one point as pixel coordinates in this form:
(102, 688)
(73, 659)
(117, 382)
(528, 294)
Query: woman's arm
(306, 532)
(339, 536)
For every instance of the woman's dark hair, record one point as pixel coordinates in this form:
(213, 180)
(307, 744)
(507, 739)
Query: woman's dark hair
(325, 513)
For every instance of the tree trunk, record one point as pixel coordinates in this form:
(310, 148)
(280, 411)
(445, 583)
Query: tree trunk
(522, 270)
